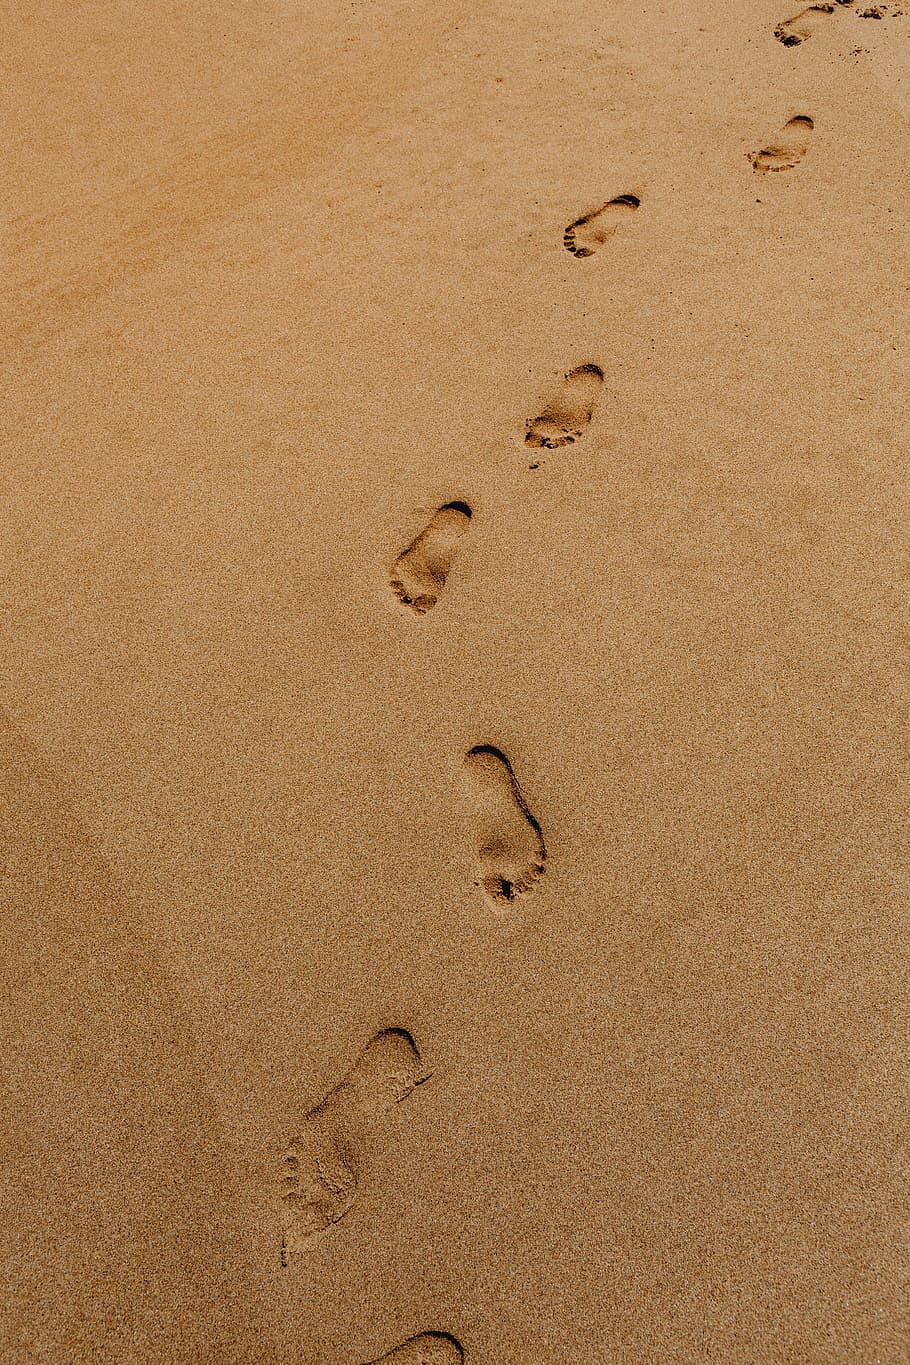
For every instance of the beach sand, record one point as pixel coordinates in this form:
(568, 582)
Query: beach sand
(454, 739)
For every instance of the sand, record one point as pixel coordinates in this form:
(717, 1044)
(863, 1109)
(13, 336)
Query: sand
(454, 739)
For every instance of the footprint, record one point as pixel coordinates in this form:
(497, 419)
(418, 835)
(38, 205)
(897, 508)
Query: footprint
(803, 25)
(586, 234)
(566, 416)
(787, 149)
(430, 1348)
(320, 1170)
(511, 848)
(420, 572)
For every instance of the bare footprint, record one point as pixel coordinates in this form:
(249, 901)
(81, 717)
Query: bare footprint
(511, 849)
(787, 149)
(803, 25)
(566, 416)
(420, 572)
(320, 1170)
(586, 234)
(430, 1348)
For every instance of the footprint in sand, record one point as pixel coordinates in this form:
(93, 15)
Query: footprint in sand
(566, 416)
(787, 149)
(320, 1170)
(803, 25)
(430, 1348)
(586, 234)
(511, 849)
(420, 572)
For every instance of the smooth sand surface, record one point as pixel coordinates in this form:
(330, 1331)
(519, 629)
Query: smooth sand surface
(281, 282)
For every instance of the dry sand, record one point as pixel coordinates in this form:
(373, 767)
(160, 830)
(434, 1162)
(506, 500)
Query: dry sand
(518, 953)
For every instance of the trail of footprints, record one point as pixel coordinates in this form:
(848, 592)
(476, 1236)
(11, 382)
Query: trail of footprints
(815, 18)
(324, 1162)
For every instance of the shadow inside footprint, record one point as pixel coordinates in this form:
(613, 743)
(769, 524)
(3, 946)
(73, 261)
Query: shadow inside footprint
(320, 1169)
(421, 571)
(511, 850)
(787, 149)
(566, 416)
(803, 25)
(429, 1348)
(586, 234)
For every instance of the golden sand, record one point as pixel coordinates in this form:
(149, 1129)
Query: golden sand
(454, 747)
